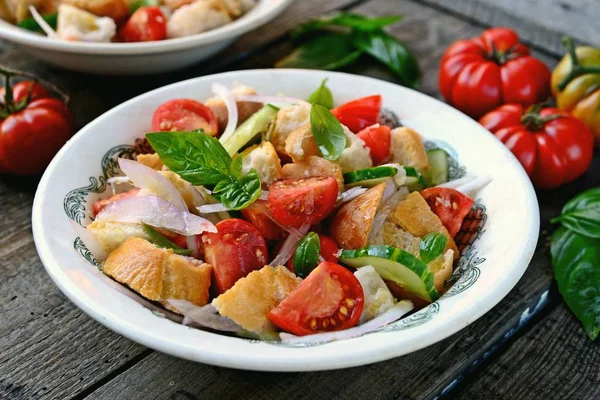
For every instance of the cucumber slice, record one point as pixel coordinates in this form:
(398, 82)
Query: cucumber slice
(369, 177)
(252, 127)
(438, 166)
(397, 266)
(414, 179)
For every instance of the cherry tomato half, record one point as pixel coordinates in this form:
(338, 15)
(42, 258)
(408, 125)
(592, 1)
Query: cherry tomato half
(451, 206)
(329, 299)
(359, 114)
(377, 138)
(256, 214)
(100, 204)
(147, 24)
(301, 201)
(184, 115)
(329, 251)
(234, 251)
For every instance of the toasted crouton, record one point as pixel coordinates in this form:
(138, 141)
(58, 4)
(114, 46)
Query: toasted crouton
(250, 300)
(407, 148)
(300, 144)
(442, 269)
(352, 224)
(356, 155)
(391, 234)
(314, 166)
(16, 11)
(287, 121)
(115, 9)
(159, 274)
(264, 159)
(415, 217)
(112, 234)
(151, 161)
(245, 109)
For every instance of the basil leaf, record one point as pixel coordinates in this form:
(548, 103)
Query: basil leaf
(328, 132)
(31, 24)
(235, 169)
(582, 214)
(322, 96)
(348, 20)
(432, 246)
(306, 256)
(575, 261)
(161, 241)
(328, 51)
(239, 193)
(199, 159)
(391, 53)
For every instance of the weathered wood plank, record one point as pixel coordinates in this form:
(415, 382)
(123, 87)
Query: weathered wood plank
(541, 22)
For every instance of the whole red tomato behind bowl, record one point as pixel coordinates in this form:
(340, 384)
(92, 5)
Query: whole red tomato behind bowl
(553, 146)
(482, 73)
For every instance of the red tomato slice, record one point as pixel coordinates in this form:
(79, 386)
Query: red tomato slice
(296, 202)
(184, 115)
(359, 114)
(147, 24)
(257, 217)
(234, 251)
(100, 204)
(329, 299)
(329, 251)
(450, 205)
(377, 138)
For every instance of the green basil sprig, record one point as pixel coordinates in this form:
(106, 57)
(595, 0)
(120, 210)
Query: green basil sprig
(432, 246)
(161, 241)
(31, 24)
(201, 160)
(575, 253)
(336, 41)
(306, 256)
(322, 96)
(328, 132)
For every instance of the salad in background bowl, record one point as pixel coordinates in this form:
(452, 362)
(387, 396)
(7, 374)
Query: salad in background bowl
(272, 213)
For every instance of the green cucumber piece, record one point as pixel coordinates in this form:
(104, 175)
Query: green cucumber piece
(369, 177)
(414, 179)
(438, 166)
(397, 266)
(252, 127)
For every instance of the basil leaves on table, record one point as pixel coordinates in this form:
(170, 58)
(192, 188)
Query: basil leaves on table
(328, 132)
(322, 96)
(306, 256)
(201, 160)
(161, 241)
(432, 246)
(333, 42)
(575, 253)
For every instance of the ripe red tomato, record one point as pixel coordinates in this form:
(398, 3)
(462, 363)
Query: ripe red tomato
(301, 201)
(359, 114)
(184, 115)
(378, 139)
(100, 204)
(329, 299)
(553, 146)
(31, 136)
(329, 251)
(147, 24)
(451, 206)
(234, 251)
(21, 90)
(256, 215)
(479, 74)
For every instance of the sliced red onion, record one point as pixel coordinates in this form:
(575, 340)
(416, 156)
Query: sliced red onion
(157, 212)
(90, 241)
(253, 98)
(204, 317)
(146, 178)
(289, 246)
(232, 110)
(392, 315)
(42, 23)
(385, 208)
(458, 182)
(265, 210)
(213, 208)
(350, 194)
(390, 189)
(117, 180)
(200, 197)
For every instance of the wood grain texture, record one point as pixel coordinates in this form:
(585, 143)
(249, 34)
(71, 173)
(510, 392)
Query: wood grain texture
(542, 22)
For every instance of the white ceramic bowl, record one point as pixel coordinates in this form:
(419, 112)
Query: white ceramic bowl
(503, 227)
(140, 58)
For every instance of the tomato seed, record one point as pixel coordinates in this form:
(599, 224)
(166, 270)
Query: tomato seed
(325, 323)
(332, 321)
(349, 303)
(227, 236)
(343, 310)
(313, 324)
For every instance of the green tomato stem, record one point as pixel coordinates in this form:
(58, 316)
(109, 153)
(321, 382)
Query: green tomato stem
(576, 68)
(8, 73)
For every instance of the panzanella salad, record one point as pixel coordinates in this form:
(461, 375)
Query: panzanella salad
(282, 218)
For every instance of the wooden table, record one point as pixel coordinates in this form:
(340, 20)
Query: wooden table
(528, 346)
